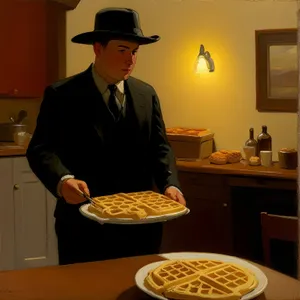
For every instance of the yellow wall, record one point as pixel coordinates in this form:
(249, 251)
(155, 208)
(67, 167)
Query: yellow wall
(223, 101)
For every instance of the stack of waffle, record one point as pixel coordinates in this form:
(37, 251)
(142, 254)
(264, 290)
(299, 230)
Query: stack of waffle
(200, 279)
(134, 206)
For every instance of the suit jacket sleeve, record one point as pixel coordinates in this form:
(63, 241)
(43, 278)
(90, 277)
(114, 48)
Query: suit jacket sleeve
(164, 163)
(42, 150)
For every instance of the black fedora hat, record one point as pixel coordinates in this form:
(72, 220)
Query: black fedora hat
(116, 23)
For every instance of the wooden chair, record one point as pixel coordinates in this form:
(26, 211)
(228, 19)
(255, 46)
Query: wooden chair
(284, 228)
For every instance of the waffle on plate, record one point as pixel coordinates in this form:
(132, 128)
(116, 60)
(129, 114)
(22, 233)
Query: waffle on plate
(200, 279)
(136, 206)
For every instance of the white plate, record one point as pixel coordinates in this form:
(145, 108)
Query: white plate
(261, 277)
(152, 219)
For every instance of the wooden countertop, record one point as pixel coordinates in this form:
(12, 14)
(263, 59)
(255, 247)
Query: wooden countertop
(11, 149)
(237, 169)
(109, 280)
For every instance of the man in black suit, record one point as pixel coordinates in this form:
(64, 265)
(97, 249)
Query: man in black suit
(102, 132)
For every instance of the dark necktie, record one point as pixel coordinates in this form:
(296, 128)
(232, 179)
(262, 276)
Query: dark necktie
(112, 104)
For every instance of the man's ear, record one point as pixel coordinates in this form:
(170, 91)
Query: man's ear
(97, 48)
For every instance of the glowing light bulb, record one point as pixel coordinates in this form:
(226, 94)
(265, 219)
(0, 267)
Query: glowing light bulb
(201, 65)
(204, 62)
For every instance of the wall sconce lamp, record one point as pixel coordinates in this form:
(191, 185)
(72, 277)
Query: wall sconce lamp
(204, 62)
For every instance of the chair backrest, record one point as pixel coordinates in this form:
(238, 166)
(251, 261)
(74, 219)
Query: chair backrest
(278, 227)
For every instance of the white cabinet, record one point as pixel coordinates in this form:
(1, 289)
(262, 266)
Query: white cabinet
(27, 235)
(7, 239)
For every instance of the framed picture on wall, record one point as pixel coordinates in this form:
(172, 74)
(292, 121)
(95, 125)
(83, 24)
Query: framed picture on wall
(276, 70)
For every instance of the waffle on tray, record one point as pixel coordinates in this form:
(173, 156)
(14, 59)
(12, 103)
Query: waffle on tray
(189, 279)
(136, 206)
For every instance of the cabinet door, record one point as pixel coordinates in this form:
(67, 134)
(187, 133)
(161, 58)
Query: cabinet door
(35, 239)
(23, 50)
(208, 227)
(7, 245)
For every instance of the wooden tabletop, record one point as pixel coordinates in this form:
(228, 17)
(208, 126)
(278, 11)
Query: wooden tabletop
(108, 280)
(241, 168)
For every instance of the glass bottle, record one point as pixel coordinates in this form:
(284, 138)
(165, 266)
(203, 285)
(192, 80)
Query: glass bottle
(264, 140)
(251, 142)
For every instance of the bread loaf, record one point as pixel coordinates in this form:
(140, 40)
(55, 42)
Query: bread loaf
(218, 158)
(225, 156)
(234, 156)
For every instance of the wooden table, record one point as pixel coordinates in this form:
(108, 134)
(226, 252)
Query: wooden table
(108, 280)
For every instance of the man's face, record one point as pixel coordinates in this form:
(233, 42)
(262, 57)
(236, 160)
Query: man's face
(117, 59)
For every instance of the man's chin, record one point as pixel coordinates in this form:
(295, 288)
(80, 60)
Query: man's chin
(126, 76)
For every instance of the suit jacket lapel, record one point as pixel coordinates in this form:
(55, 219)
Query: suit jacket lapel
(97, 109)
(140, 101)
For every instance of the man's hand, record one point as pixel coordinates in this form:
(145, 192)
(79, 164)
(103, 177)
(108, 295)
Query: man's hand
(175, 194)
(69, 190)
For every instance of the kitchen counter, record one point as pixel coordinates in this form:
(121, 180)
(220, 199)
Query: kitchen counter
(237, 169)
(228, 199)
(109, 280)
(11, 149)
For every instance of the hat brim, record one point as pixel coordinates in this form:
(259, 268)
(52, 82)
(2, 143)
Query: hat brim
(89, 38)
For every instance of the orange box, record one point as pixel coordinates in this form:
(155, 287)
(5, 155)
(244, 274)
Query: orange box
(190, 144)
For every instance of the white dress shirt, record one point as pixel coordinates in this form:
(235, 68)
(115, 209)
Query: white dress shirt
(102, 87)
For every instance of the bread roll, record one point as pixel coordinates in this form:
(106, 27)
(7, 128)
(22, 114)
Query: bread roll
(254, 161)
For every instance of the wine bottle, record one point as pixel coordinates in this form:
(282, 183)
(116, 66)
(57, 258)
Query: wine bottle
(251, 142)
(264, 140)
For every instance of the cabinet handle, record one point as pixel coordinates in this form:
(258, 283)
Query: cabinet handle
(225, 204)
(16, 187)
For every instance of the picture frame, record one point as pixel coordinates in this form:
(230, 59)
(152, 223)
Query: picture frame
(276, 70)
